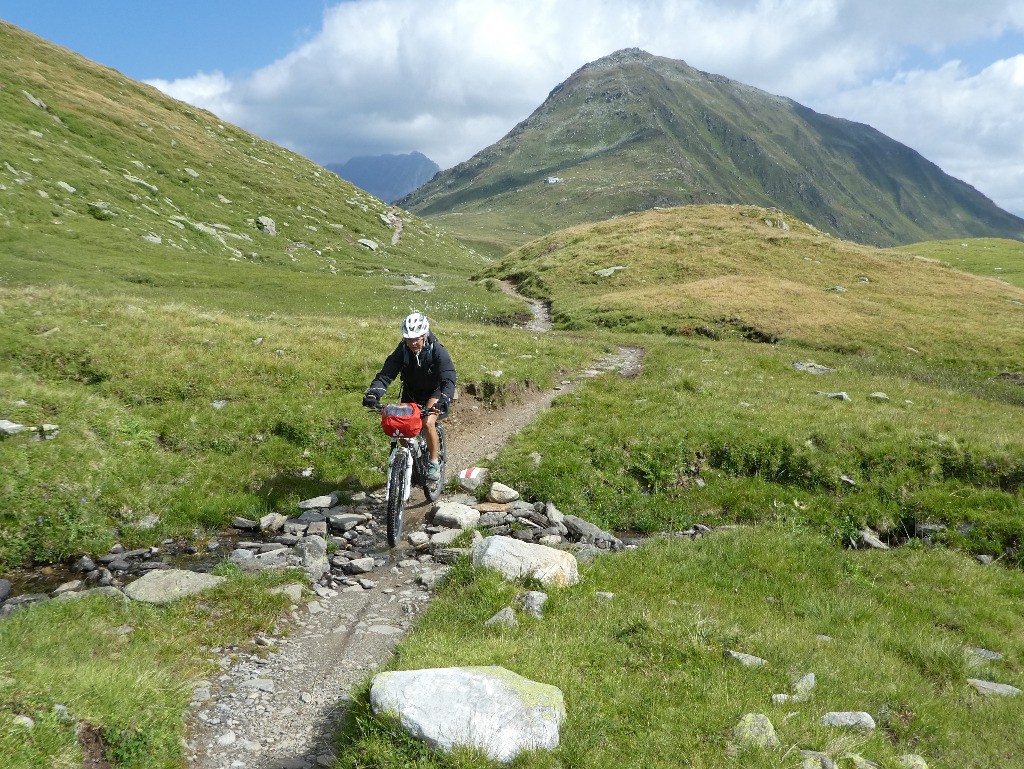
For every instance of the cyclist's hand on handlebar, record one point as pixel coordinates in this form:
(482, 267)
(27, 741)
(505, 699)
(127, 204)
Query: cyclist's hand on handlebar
(371, 401)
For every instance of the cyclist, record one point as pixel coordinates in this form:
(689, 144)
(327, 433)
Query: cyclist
(428, 379)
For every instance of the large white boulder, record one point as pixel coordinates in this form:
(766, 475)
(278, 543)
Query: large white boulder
(515, 559)
(489, 708)
(164, 586)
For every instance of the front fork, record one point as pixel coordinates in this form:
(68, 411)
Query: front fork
(413, 454)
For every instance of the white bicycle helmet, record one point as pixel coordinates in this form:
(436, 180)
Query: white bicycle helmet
(415, 325)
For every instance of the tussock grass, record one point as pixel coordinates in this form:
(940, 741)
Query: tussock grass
(721, 270)
(132, 385)
(768, 445)
(121, 667)
(646, 684)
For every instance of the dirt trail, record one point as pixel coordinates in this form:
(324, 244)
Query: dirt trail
(280, 710)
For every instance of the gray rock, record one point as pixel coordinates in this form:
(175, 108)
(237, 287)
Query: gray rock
(161, 587)
(516, 559)
(912, 761)
(882, 397)
(810, 367)
(317, 529)
(5, 589)
(533, 603)
(554, 515)
(240, 555)
(990, 688)
(488, 708)
(755, 730)
(12, 605)
(747, 660)
(586, 532)
(312, 554)
(322, 502)
(11, 428)
(266, 225)
(259, 684)
(506, 616)
(360, 566)
(272, 522)
(109, 591)
(293, 590)
(841, 396)
(370, 244)
(456, 516)
(811, 759)
(244, 523)
(983, 655)
(501, 493)
(870, 539)
(345, 521)
(418, 539)
(445, 538)
(472, 478)
(851, 719)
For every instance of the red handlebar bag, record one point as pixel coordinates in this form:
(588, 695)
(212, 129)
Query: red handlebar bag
(401, 420)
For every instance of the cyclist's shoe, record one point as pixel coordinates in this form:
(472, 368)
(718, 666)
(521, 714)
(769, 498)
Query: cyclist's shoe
(433, 471)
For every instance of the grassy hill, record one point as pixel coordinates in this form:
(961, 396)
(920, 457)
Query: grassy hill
(632, 131)
(110, 186)
(136, 290)
(741, 271)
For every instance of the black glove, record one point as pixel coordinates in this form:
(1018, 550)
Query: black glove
(371, 401)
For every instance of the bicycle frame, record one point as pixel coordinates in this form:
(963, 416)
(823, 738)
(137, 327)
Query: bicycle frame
(414, 447)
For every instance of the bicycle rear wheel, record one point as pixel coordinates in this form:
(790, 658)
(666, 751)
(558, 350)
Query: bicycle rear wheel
(397, 479)
(432, 489)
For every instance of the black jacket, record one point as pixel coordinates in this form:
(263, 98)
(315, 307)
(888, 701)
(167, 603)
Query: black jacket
(424, 376)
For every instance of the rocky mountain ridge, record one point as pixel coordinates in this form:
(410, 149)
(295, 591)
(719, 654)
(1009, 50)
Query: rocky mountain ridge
(633, 131)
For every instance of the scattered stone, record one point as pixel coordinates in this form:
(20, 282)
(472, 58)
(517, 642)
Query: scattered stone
(515, 559)
(25, 722)
(879, 397)
(259, 684)
(360, 566)
(502, 494)
(983, 655)
(370, 244)
(506, 616)
(841, 396)
(851, 719)
(272, 522)
(990, 688)
(984, 560)
(912, 761)
(608, 271)
(11, 428)
(472, 478)
(533, 603)
(5, 589)
(603, 595)
(488, 708)
(812, 759)
(747, 660)
(161, 586)
(456, 516)
(811, 367)
(870, 539)
(293, 590)
(418, 539)
(244, 523)
(320, 503)
(266, 225)
(755, 730)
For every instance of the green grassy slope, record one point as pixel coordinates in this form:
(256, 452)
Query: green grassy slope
(124, 323)
(633, 131)
(114, 187)
(748, 272)
(988, 257)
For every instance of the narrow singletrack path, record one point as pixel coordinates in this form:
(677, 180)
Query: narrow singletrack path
(278, 702)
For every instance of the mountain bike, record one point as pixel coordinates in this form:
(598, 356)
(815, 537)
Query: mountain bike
(407, 463)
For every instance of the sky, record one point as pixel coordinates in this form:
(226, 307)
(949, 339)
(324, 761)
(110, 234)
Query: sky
(332, 80)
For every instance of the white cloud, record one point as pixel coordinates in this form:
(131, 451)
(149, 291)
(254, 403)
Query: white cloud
(449, 77)
(971, 126)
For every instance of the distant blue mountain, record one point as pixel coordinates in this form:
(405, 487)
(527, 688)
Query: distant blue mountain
(387, 177)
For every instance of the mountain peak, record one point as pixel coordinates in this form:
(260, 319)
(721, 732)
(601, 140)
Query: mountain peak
(633, 131)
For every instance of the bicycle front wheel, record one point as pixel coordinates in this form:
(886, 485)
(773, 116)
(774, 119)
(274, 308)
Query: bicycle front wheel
(398, 480)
